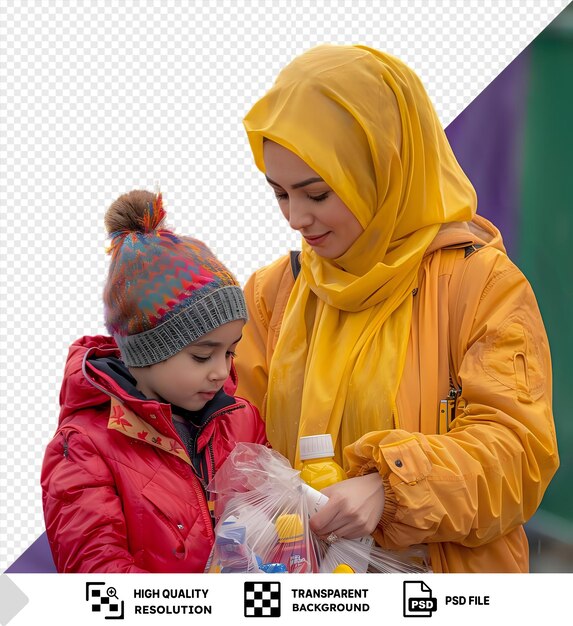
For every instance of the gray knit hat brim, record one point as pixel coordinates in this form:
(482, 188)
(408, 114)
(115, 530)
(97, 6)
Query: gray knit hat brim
(218, 307)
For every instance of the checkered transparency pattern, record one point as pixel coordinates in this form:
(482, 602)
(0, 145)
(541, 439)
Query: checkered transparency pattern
(102, 97)
(262, 599)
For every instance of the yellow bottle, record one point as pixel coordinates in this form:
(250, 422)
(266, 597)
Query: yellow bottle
(319, 469)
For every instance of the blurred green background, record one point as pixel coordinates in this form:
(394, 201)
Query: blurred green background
(515, 141)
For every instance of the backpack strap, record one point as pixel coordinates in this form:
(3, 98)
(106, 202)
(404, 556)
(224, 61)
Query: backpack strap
(468, 250)
(295, 259)
(448, 406)
(282, 292)
(295, 263)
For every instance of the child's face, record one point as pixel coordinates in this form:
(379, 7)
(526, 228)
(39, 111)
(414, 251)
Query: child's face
(192, 377)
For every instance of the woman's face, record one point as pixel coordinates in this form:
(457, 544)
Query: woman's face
(309, 204)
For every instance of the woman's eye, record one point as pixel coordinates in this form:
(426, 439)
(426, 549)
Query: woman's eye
(231, 354)
(319, 198)
(281, 196)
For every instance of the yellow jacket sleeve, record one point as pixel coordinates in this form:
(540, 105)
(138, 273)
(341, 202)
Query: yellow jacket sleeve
(487, 475)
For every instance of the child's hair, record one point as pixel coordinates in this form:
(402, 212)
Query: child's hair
(163, 291)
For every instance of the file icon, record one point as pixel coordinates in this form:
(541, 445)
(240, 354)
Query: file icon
(418, 600)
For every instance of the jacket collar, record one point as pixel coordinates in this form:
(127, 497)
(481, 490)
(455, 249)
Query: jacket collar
(461, 234)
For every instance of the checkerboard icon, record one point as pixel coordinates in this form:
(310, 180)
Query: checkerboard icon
(262, 599)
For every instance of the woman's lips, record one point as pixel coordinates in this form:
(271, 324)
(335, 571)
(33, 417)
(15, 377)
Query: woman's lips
(315, 240)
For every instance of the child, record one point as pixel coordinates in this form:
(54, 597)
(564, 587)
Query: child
(147, 416)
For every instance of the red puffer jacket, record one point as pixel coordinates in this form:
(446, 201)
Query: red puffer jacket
(120, 492)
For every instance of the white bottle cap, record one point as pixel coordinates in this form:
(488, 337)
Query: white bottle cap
(316, 447)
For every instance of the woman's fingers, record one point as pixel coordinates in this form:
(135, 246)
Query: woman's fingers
(353, 510)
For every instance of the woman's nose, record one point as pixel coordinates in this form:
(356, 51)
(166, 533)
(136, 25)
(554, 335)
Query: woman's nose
(298, 215)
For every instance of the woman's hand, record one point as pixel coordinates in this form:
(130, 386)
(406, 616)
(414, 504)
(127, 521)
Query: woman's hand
(353, 510)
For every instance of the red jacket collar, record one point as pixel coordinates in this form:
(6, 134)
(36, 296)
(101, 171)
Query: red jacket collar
(84, 386)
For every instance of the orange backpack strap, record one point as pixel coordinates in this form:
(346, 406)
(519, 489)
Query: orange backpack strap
(455, 292)
(283, 291)
(448, 260)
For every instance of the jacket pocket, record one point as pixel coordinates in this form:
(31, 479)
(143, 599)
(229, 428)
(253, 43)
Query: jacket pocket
(511, 357)
(175, 503)
(407, 461)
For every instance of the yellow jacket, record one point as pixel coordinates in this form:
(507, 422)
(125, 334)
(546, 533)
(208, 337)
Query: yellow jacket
(462, 482)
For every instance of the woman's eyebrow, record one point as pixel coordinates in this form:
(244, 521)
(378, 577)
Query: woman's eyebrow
(303, 183)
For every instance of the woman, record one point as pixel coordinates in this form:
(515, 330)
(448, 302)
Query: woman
(408, 334)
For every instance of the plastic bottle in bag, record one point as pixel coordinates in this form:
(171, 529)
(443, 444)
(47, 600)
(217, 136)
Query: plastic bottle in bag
(319, 469)
(291, 548)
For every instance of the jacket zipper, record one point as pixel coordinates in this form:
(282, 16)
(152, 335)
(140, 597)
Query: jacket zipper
(447, 411)
(204, 494)
(212, 456)
(224, 411)
(219, 413)
(205, 514)
(65, 445)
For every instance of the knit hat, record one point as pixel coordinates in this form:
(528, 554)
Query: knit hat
(163, 291)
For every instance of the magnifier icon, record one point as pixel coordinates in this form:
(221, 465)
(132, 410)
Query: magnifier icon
(111, 592)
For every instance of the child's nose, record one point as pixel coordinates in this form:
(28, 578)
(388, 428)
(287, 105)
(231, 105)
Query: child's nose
(220, 369)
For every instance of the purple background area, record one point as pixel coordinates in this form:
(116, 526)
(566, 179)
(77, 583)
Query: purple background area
(486, 139)
(37, 559)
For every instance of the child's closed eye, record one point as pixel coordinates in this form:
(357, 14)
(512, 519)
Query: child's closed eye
(200, 359)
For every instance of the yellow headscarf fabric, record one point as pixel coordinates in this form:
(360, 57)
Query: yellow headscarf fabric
(362, 120)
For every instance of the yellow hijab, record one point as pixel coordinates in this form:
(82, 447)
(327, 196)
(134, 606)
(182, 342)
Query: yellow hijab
(362, 120)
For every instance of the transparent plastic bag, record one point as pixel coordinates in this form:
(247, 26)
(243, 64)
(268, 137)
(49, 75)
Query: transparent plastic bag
(262, 510)
(257, 491)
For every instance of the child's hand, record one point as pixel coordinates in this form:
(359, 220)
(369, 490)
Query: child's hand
(353, 510)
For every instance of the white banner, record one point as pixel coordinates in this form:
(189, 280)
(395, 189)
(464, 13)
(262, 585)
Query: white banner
(318, 599)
